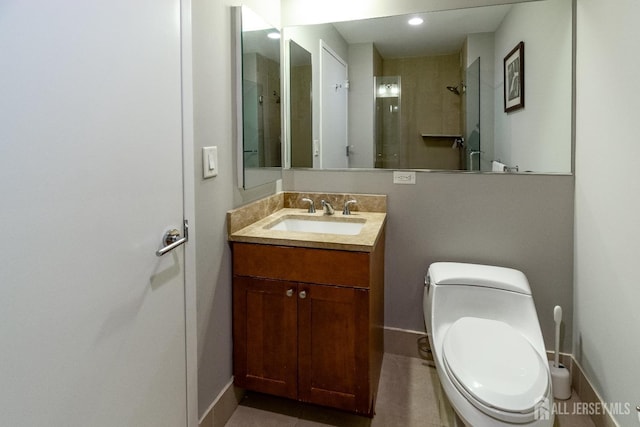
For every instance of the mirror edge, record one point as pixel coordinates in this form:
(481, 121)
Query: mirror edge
(236, 37)
(286, 113)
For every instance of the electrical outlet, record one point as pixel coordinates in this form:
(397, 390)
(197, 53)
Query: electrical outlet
(404, 177)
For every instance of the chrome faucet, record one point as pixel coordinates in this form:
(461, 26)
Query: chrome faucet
(346, 210)
(328, 209)
(312, 208)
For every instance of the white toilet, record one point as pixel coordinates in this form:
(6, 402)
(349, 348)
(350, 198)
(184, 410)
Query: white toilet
(487, 345)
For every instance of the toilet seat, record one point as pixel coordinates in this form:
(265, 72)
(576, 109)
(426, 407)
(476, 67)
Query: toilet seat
(495, 368)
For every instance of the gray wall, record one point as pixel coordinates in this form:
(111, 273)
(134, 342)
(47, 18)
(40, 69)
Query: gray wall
(607, 202)
(213, 125)
(519, 221)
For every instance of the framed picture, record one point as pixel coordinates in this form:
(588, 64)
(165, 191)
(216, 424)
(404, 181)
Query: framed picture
(514, 79)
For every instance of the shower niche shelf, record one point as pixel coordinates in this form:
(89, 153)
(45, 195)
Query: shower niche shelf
(439, 135)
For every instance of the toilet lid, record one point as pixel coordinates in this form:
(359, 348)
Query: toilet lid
(495, 364)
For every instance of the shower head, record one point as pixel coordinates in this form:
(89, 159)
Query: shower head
(453, 89)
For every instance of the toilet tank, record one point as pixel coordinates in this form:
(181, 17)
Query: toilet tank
(488, 276)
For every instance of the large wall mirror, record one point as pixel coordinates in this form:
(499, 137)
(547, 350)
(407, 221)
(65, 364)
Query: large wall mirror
(259, 99)
(431, 96)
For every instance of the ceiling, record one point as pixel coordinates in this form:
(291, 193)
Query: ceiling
(441, 33)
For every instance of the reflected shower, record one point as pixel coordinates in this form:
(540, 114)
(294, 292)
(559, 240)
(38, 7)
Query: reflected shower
(454, 89)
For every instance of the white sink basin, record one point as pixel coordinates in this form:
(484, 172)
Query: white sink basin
(324, 225)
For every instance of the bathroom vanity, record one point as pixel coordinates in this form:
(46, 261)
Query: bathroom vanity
(308, 309)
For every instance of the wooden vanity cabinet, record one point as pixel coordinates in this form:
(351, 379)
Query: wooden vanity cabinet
(333, 357)
(265, 336)
(308, 323)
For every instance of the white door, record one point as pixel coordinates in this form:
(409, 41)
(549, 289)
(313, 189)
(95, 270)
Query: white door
(333, 100)
(92, 322)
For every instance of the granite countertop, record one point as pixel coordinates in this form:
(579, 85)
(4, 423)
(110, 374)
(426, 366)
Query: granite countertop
(258, 232)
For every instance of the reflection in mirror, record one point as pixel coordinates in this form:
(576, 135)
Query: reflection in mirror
(387, 120)
(261, 158)
(300, 130)
(430, 96)
(471, 149)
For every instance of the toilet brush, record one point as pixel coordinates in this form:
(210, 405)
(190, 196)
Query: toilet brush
(560, 378)
(557, 317)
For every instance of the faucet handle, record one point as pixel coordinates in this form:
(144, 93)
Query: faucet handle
(312, 208)
(346, 210)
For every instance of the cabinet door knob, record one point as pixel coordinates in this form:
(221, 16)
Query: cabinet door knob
(303, 294)
(290, 292)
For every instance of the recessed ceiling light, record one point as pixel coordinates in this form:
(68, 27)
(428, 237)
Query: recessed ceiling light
(416, 21)
(274, 35)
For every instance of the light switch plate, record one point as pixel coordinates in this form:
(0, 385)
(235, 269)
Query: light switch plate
(209, 162)
(404, 177)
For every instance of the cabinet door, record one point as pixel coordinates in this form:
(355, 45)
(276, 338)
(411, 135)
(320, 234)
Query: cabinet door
(265, 336)
(333, 331)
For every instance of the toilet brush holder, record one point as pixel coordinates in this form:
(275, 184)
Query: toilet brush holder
(560, 381)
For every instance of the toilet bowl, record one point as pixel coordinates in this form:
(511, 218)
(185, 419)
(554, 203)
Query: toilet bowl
(487, 345)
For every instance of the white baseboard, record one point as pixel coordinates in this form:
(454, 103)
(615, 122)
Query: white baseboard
(406, 342)
(222, 406)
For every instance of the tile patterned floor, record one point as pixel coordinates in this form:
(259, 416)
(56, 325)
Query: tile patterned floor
(409, 395)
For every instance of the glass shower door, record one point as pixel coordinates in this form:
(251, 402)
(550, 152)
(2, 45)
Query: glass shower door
(253, 129)
(388, 90)
(473, 150)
